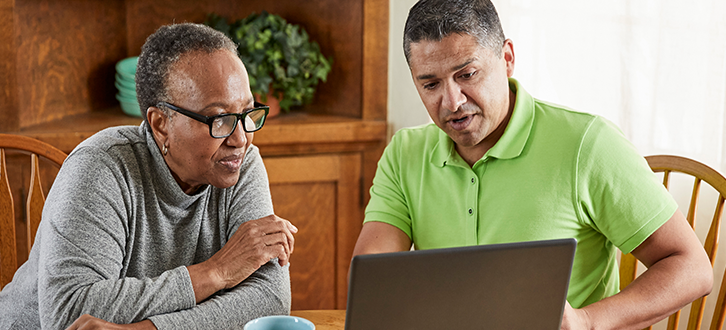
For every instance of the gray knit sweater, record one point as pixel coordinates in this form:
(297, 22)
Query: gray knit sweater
(117, 233)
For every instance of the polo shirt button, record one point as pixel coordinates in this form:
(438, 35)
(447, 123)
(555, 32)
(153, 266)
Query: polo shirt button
(472, 180)
(471, 211)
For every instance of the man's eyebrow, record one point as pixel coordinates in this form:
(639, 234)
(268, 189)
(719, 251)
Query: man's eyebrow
(456, 68)
(461, 66)
(425, 77)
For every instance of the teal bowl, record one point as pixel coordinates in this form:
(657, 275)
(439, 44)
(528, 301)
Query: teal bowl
(125, 92)
(127, 67)
(126, 83)
(279, 322)
(129, 106)
(126, 98)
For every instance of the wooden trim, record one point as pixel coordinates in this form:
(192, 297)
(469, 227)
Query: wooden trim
(8, 253)
(9, 114)
(35, 202)
(661, 163)
(295, 130)
(321, 132)
(375, 59)
(307, 169)
(40, 148)
(349, 222)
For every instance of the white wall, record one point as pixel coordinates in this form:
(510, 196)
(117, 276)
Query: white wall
(405, 108)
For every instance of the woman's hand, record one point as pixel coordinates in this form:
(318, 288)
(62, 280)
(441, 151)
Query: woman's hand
(255, 243)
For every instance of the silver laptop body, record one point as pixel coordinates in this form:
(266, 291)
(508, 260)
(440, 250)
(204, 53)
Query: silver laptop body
(499, 286)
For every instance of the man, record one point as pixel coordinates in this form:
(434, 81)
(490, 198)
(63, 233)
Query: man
(499, 166)
(167, 225)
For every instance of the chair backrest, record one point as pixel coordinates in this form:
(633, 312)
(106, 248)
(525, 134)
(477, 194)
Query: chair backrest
(34, 202)
(701, 173)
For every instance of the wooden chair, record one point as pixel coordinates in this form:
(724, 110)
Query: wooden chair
(34, 202)
(701, 173)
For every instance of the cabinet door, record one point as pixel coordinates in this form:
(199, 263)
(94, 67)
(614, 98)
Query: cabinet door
(321, 196)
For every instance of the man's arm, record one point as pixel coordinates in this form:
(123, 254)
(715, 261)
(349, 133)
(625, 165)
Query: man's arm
(679, 272)
(380, 237)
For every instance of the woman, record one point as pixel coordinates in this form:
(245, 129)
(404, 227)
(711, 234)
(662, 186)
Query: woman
(169, 224)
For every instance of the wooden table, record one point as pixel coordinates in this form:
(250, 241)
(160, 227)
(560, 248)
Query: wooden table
(333, 319)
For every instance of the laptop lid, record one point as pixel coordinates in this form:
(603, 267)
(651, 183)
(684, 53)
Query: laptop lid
(499, 286)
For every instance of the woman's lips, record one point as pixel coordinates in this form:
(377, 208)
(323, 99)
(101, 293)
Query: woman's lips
(233, 163)
(461, 123)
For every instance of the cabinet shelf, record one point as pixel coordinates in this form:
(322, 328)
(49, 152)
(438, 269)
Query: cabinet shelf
(285, 134)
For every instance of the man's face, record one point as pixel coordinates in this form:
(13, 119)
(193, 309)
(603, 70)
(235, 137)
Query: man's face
(208, 84)
(465, 88)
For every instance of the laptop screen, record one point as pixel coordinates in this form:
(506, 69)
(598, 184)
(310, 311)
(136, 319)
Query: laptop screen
(499, 286)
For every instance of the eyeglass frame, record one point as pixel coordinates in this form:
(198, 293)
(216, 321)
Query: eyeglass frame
(210, 119)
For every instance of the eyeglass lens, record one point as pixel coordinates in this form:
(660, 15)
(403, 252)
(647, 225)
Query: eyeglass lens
(224, 125)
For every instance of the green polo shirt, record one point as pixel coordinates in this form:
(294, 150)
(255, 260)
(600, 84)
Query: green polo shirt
(555, 173)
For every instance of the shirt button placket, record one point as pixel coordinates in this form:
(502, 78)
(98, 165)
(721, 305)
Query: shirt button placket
(473, 183)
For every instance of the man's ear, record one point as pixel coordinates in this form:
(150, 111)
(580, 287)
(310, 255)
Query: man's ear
(508, 53)
(159, 122)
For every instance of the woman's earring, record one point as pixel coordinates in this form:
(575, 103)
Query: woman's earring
(164, 149)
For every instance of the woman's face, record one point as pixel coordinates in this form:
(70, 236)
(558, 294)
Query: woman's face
(208, 84)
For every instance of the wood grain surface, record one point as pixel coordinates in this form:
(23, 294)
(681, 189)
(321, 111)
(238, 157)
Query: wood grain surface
(323, 319)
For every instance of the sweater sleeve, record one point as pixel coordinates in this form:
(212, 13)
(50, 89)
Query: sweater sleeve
(84, 254)
(266, 291)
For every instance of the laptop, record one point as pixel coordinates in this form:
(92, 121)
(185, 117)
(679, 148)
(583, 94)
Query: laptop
(500, 286)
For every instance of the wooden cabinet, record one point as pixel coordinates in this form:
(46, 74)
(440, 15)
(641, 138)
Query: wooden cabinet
(57, 71)
(315, 191)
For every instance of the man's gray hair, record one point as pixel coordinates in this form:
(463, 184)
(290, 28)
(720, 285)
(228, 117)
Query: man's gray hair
(432, 20)
(163, 48)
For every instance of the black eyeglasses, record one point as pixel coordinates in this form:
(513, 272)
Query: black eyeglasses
(222, 126)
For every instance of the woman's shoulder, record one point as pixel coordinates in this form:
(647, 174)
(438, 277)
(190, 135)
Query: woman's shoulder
(113, 137)
(112, 147)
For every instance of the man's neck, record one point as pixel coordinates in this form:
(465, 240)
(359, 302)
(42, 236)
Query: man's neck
(472, 154)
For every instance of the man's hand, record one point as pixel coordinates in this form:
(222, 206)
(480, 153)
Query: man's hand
(255, 243)
(88, 322)
(574, 319)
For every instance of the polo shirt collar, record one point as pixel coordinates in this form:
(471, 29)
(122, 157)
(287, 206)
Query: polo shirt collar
(510, 145)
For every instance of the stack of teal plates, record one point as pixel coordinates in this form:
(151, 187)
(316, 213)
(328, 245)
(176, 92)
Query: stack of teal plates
(126, 85)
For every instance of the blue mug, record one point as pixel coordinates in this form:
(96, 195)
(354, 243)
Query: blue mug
(279, 322)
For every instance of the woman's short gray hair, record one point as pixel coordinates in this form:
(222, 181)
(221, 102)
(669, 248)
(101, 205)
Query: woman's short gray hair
(432, 20)
(163, 48)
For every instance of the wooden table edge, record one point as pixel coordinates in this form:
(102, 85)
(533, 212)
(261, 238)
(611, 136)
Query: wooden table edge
(329, 319)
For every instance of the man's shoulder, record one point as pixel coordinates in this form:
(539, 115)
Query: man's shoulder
(557, 110)
(415, 146)
(417, 135)
(563, 120)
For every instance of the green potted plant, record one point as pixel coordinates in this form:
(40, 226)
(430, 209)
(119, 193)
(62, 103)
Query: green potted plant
(280, 58)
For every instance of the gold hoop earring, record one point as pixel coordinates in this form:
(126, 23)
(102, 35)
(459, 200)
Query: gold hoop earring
(164, 149)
